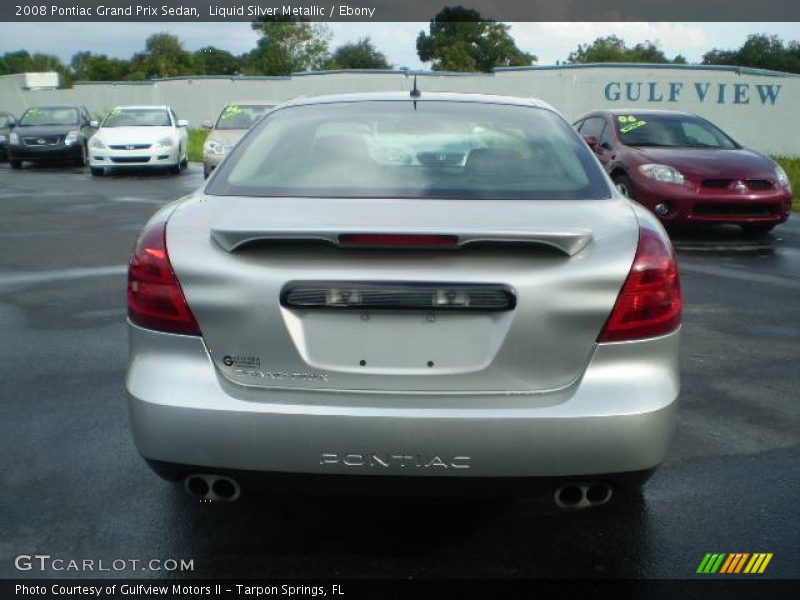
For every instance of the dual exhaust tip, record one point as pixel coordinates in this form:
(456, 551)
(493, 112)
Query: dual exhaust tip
(582, 495)
(212, 488)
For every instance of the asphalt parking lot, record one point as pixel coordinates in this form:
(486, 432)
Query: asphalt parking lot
(74, 486)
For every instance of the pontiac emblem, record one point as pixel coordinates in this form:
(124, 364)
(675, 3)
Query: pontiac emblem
(740, 187)
(130, 147)
(40, 141)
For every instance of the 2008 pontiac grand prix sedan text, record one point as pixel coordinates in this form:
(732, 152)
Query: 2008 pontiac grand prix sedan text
(436, 287)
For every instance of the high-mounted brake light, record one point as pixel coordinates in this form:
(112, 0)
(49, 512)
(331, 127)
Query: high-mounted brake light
(649, 303)
(397, 240)
(155, 298)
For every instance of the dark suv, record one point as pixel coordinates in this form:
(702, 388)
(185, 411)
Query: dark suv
(53, 133)
(687, 170)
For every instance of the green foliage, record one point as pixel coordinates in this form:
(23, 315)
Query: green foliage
(197, 137)
(214, 61)
(792, 167)
(98, 67)
(287, 46)
(358, 55)
(613, 49)
(460, 39)
(163, 56)
(760, 51)
(21, 61)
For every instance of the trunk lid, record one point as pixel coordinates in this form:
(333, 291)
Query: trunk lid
(564, 262)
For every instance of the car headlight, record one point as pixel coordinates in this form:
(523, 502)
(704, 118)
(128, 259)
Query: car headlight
(663, 173)
(13, 138)
(96, 142)
(782, 177)
(166, 142)
(72, 137)
(213, 146)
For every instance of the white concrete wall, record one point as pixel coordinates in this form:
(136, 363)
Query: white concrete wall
(738, 100)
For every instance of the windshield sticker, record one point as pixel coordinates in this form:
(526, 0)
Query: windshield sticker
(35, 112)
(629, 123)
(231, 111)
(115, 112)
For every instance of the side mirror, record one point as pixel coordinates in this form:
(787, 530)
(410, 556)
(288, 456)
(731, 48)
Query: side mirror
(183, 123)
(208, 125)
(94, 124)
(591, 141)
(12, 123)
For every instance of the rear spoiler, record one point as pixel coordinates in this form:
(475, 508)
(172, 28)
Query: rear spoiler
(568, 242)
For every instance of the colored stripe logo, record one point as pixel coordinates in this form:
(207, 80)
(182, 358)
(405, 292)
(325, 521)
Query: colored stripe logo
(734, 563)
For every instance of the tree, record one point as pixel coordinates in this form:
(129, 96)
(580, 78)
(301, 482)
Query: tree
(98, 67)
(613, 49)
(214, 61)
(460, 39)
(21, 61)
(358, 55)
(288, 46)
(163, 56)
(761, 51)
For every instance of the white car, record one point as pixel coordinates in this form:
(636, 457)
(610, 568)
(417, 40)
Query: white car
(139, 136)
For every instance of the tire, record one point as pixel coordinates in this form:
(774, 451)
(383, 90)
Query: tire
(757, 228)
(175, 169)
(624, 183)
(97, 171)
(206, 171)
(184, 163)
(15, 164)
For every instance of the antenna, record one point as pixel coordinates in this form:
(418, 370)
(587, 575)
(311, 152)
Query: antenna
(415, 92)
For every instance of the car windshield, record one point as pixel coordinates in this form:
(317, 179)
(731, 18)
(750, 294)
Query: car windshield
(405, 149)
(37, 117)
(240, 116)
(137, 117)
(671, 131)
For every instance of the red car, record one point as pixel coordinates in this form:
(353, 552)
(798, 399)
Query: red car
(687, 170)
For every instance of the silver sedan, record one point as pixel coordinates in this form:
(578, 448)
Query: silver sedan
(439, 289)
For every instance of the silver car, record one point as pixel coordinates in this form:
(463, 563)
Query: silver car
(233, 122)
(439, 289)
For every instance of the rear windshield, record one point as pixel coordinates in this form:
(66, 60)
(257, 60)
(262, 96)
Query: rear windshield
(398, 149)
(38, 117)
(137, 117)
(679, 131)
(240, 116)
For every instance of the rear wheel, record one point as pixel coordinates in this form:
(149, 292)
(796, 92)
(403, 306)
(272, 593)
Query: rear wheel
(624, 186)
(757, 228)
(15, 164)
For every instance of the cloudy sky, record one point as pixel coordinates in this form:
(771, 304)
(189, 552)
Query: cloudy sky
(549, 41)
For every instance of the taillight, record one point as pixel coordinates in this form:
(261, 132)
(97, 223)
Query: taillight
(155, 298)
(649, 303)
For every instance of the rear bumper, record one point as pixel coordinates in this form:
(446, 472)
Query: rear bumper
(617, 418)
(688, 206)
